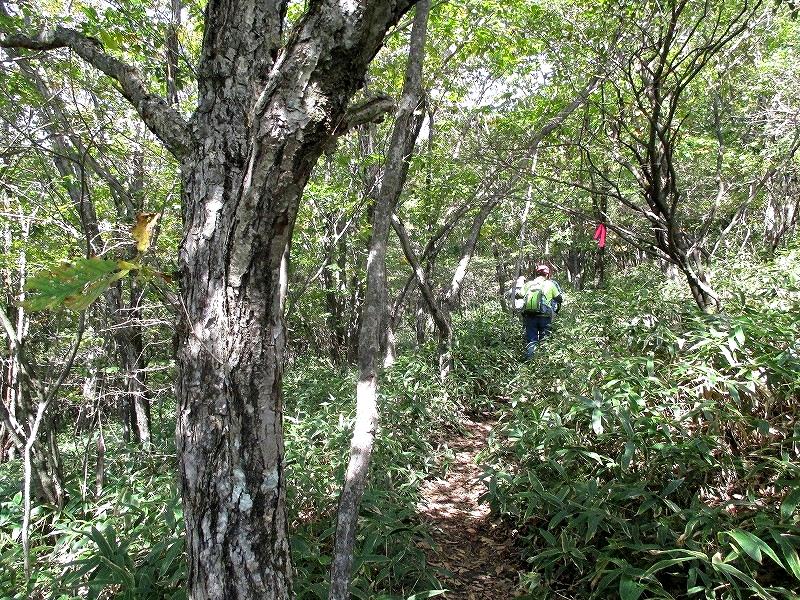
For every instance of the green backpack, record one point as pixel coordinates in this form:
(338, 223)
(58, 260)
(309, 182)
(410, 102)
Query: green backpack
(536, 301)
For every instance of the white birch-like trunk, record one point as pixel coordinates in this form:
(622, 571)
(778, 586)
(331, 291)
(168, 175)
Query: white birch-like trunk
(408, 122)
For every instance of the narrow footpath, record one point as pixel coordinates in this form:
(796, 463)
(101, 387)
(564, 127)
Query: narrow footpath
(476, 550)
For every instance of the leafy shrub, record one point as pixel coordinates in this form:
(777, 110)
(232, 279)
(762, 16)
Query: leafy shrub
(655, 450)
(486, 354)
(320, 410)
(127, 543)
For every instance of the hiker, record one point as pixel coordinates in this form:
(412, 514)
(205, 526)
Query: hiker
(542, 298)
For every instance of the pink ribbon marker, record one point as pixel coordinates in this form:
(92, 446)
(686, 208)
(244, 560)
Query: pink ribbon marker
(600, 235)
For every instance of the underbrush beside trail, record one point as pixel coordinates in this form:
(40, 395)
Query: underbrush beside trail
(418, 416)
(128, 541)
(389, 562)
(653, 451)
(648, 451)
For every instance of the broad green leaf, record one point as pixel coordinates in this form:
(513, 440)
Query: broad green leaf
(792, 561)
(789, 503)
(749, 581)
(629, 589)
(593, 522)
(98, 538)
(373, 558)
(627, 455)
(734, 393)
(753, 545)
(728, 356)
(695, 590)
(74, 286)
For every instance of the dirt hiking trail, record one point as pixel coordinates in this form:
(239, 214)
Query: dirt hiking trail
(476, 550)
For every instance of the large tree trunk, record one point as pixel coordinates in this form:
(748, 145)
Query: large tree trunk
(256, 143)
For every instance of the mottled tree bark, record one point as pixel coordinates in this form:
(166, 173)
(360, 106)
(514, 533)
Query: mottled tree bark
(257, 143)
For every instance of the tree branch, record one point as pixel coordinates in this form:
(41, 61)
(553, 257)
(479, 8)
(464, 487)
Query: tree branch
(372, 110)
(439, 317)
(164, 121)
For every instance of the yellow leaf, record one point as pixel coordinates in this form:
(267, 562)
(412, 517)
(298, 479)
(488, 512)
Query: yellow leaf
(143, 229)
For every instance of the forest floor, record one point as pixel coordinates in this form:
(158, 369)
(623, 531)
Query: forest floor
(477, 552)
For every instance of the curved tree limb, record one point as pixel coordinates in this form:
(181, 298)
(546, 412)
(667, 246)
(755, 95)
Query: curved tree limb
(451, 295)
(439, 317)
(371, 110)
(163, 120)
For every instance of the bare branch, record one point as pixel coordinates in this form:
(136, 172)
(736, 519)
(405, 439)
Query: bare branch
(372, 110)
(439, 317)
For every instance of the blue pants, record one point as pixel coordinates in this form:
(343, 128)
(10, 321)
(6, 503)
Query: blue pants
(536, 328)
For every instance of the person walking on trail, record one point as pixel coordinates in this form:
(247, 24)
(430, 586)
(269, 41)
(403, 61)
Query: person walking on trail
(542, 298)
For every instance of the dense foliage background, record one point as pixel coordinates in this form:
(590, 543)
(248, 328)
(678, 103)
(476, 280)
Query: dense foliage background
(650, 450)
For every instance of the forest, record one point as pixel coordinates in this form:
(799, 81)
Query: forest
(266, 287)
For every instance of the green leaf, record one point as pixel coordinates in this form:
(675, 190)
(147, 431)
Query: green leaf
(663, 564)
(629, 589)
(734, 393)
(74, 286)
(593, 522)
(627, 456)
(102, 545)
(597, 421)
(792, 561)
(373, 558)
(749, 581)
(695, 590)
(789, 503)
(90, 13)
(753, 545)
(672, 486)
(728, 356)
